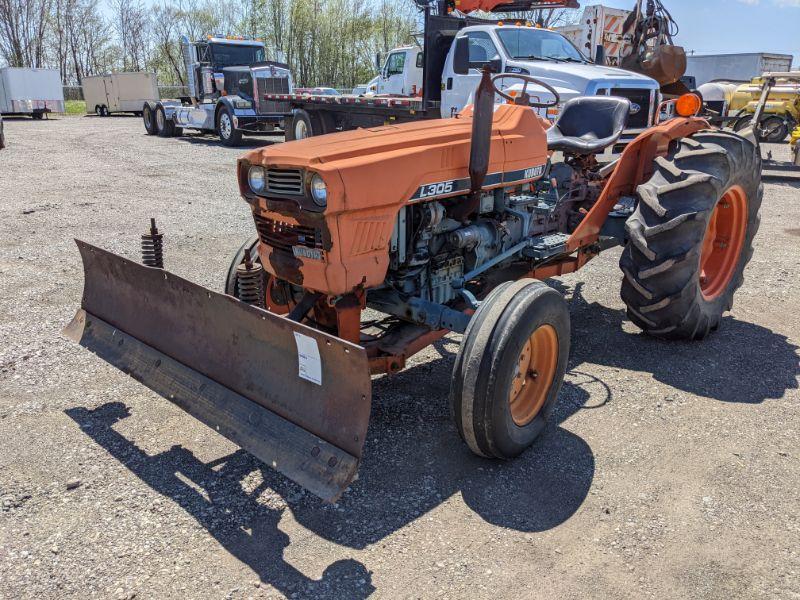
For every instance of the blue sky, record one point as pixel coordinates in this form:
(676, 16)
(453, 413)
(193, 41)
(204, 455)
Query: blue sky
(729, 26)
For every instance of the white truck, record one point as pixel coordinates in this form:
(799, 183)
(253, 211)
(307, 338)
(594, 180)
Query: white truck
(228, 80)
(421, 83)
(31, 92)
(119, 92)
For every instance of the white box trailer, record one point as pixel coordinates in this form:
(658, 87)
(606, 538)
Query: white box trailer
(119, 92)
(30, 91)
(740, 67)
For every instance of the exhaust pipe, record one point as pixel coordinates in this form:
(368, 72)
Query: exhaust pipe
(482, 114)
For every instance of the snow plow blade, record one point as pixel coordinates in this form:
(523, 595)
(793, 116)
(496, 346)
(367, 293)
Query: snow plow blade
(294, 397)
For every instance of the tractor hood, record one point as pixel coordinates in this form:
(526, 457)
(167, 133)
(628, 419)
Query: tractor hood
(386, 165)
(369, 174)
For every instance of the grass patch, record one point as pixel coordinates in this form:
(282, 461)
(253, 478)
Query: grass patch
(75, 107)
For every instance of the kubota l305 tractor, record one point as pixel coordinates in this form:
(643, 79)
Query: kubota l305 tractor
(372, 244)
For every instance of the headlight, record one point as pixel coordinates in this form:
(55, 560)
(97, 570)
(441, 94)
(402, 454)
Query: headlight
(319, 191)
(257, 178)
(243, 104)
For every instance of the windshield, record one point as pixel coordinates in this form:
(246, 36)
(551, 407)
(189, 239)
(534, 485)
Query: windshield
(524, 43)
(230, 55)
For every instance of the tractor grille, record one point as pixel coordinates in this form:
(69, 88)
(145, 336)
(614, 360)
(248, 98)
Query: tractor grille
(641, 119)
(282, 236)
(282, 182)
(271, 85)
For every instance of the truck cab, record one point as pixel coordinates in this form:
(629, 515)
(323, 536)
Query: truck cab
(401, 73)
(227, 78)
(550, 57)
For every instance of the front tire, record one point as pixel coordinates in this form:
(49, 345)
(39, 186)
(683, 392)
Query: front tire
(510, 368)
(229, 135)
(691, 235)
(278, 295)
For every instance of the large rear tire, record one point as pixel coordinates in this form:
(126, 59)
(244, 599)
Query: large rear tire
(691, 235)
(165, 127)
(510, 368)
(303, 125)
(149, 120)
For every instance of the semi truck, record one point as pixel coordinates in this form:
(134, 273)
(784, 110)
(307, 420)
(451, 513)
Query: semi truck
(228, 80)
(509, 47)
(32, 92)
(119, 92)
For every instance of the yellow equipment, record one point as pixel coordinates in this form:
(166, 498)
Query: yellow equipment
(781, 111)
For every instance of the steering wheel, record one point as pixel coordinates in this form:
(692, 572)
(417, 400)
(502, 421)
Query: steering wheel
(524, 95)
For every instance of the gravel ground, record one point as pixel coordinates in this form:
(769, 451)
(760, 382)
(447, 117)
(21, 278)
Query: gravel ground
(670, 470)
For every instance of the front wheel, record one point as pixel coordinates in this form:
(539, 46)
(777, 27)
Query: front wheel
(691, 235)
(229, 135)
(510, 368)
(279, 296)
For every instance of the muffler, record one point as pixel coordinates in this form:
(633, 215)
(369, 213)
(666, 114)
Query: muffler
(295, 397)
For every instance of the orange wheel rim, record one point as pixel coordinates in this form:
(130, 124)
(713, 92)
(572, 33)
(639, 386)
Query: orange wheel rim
(534, 375)
(723, 241)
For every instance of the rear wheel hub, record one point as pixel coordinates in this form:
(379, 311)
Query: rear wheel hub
(723, 241)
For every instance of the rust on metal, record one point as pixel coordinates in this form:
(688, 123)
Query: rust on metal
(250, 355)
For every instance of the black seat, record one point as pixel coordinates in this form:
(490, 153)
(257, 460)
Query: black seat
(588, 124)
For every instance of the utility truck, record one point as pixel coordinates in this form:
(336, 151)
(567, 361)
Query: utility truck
(421, 83)
(228, 80)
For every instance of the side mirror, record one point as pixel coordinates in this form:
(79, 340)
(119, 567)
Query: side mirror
(495, 65)
(378, 61)
(461, 56)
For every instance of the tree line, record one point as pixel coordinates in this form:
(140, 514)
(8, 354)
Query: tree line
(325, 42)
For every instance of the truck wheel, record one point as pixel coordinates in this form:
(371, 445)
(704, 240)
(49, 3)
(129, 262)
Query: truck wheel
(691, 235)
(104, 111)
(98, 111)
(302, 126)
(228, 134)
(510, 368)
(148, 118)
(275, 294)
(38, 116)
(327, 122)
(164, 127)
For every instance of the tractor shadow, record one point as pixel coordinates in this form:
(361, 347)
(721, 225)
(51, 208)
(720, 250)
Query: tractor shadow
(212, 493)
(741, 362)
(413, 462)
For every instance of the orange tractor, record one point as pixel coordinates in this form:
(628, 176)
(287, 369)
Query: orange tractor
(374, 243)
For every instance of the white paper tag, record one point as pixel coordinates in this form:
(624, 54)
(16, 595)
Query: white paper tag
(309, 363)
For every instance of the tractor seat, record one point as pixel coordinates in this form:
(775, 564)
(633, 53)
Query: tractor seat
(588, 124)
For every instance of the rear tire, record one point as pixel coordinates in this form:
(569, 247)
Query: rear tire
(149, 120)
(510, 368)
(691, 235)
(302, 126)
(165, 127)
(229, 135)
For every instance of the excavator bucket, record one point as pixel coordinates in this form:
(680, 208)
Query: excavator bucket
(296, 398)
(666, 64)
